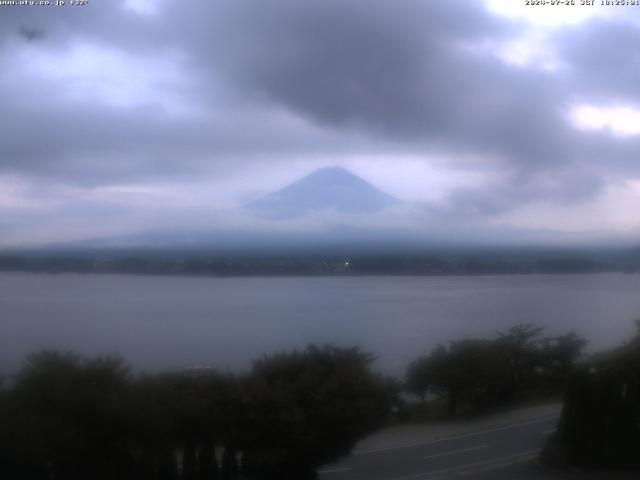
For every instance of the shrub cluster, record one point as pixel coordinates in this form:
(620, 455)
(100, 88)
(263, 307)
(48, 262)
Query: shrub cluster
(472, 375)
(64, 417)
(600, 421)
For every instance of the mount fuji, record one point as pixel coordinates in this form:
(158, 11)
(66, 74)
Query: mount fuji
(331, 189)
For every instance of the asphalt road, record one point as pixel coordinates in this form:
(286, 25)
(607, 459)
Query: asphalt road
(498, 452)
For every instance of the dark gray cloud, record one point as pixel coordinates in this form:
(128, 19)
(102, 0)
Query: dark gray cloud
(273, 82)
(106, 22)
(409, 73)
(603, 57)
(386, 67)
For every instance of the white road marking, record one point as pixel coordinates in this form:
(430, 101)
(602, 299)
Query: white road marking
(547, 432)
(456, 437)
(453, 452)
(483, 465)
(334, 470)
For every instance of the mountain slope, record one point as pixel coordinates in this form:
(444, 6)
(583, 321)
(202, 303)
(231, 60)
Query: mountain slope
(327, 189)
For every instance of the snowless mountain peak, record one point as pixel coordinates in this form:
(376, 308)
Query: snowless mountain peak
(326, 189)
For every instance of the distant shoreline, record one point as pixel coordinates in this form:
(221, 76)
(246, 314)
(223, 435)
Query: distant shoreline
(309, 275)
(318, 265)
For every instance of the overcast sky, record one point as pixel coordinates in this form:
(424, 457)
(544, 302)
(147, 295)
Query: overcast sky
(124, 116)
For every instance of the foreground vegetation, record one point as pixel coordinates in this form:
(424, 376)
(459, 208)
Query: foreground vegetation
(64, 417)
(475, 375)
(68, 418)
(600, 422)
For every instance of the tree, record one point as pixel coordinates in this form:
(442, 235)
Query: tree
(478, 374)
(68, 417)
(188, 412)
(559, 356)
(467, 372)
(520, 346)
(71, 418)
(600, 421)
(309, 407)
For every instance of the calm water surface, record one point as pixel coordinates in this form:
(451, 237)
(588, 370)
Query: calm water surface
(168, 322)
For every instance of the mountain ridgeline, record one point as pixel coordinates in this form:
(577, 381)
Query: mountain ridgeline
(325, 190)
(332, 200)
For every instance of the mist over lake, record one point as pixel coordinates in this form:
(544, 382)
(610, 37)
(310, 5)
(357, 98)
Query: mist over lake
(157, 322)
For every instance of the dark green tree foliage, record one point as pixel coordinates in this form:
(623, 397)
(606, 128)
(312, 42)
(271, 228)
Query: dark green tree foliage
(478, 374)
(466, 372)
(6, 431)
(600, 422)
(65, 418)
(68, 418)
(558, 357)
(310, 407)
(178, 419)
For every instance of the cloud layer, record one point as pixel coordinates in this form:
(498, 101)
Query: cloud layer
(120, 116)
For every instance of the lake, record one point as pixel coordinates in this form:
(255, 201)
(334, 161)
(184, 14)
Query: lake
(159, 322)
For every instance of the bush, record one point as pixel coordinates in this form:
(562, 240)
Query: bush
(310, 407)
(477, 374)
(600, 421)
(71, 418)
